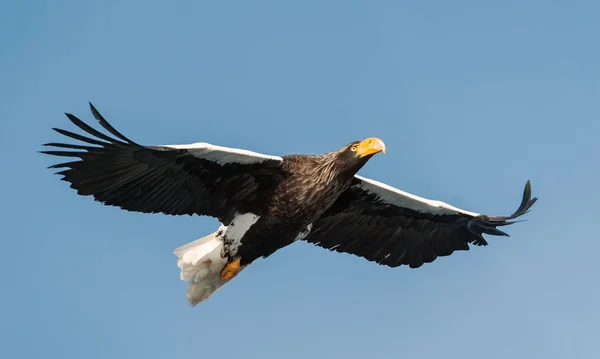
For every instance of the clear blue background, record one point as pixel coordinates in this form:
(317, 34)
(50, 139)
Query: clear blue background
(472, 98)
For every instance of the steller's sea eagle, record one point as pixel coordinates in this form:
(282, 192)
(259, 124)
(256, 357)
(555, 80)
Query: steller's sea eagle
(265, 202)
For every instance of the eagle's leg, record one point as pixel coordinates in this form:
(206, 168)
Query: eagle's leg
(231, 270)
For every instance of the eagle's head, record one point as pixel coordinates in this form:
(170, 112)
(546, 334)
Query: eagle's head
(355, 155)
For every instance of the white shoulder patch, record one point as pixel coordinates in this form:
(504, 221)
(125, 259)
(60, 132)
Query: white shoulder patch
(233, 234)
(224, 155)
(400, 198)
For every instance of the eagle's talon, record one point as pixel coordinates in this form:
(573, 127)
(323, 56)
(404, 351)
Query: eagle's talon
(230, 270)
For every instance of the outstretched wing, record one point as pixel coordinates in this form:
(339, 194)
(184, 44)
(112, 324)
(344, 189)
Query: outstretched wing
(198, 178)
(391, 227)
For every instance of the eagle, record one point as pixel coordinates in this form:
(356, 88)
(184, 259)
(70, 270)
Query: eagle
(266, 202)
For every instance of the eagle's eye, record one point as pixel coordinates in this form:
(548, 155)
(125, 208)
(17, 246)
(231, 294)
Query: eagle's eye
(353, 148)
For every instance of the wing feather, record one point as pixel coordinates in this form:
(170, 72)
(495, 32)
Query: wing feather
(200, 179)
(391, 227)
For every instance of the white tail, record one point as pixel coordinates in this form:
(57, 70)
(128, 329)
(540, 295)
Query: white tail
(201, 264)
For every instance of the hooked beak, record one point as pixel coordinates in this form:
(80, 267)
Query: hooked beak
(370, 146)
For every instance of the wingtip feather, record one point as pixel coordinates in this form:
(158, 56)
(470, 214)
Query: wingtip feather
(94, 110)
(108, 126)
(489, 224)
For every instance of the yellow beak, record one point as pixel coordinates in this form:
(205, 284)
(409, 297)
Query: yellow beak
(370, 146)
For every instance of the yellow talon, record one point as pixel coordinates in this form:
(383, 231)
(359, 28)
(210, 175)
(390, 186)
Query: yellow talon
(230, 270)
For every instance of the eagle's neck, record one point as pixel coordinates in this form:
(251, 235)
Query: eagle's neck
(325, 170)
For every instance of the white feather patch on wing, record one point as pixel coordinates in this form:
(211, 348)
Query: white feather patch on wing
(224, 155)
(400, 198)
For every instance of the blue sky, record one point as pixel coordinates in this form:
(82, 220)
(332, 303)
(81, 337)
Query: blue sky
(472, 99)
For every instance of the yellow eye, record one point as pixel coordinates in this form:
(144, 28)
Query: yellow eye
(353, 149)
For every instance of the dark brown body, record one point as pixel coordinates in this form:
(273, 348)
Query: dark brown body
(312, 185)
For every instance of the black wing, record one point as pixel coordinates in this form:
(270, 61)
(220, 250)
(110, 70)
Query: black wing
(200, 178)
(391, 227)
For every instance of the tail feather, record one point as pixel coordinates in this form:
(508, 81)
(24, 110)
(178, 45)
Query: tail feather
(201, 264)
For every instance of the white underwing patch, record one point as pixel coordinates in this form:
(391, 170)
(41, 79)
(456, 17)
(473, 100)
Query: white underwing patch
(223, 155)
(400, 198)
